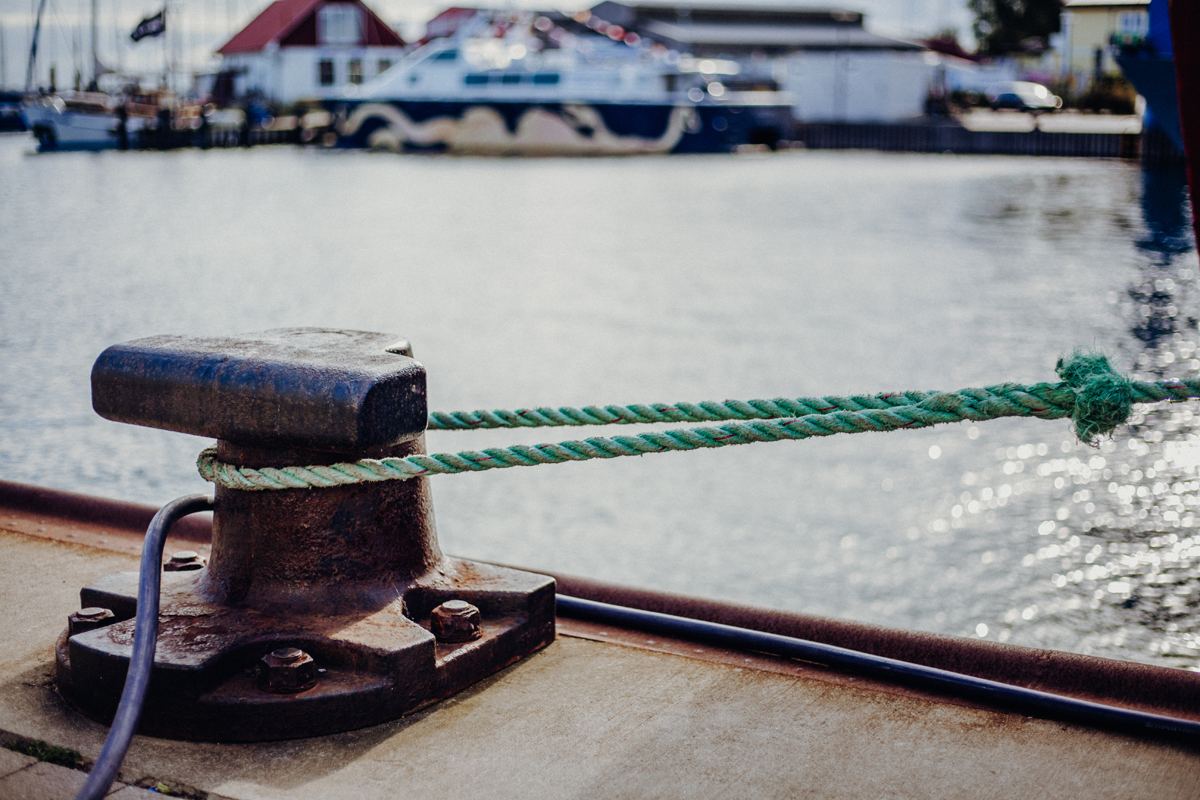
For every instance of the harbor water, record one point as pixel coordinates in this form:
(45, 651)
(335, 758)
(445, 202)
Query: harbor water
(584, 281)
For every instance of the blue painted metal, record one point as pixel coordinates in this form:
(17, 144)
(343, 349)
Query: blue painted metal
(1151, 70)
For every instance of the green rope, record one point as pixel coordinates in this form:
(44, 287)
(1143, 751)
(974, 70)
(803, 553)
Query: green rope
(1092, 393)
(707, 411)
(1103, 397)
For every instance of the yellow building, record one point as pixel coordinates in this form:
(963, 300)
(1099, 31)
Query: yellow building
(1088, 28)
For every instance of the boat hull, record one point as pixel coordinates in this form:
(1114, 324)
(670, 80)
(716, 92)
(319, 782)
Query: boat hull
(10, 112)
(1154, 79)
(67, 129)
(549, 129)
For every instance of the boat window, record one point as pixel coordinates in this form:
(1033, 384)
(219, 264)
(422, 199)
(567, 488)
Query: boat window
(475, 80)
(510, 78)
(325, 72)
(354, 70)
(546, 78)
(446, 55)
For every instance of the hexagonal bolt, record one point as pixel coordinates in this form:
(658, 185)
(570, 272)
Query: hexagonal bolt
(455, 621)
(184, 561)
(88, 619)
(287, 670)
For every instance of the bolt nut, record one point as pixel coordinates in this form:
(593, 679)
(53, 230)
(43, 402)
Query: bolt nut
(88, 619)
(287, 670)
(455, 621)
(184, 561)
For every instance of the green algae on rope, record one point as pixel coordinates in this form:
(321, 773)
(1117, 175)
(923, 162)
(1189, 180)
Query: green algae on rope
(1092, 393)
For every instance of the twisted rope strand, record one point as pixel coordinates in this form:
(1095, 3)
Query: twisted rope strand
(1091, 392)
(1032, 396)
(655, 413)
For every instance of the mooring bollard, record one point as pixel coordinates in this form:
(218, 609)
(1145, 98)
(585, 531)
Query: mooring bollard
(349, 576)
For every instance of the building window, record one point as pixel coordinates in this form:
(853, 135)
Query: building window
(354, 72)
(325, 72)
(339, 23)
(384, 65)
(1135, 23)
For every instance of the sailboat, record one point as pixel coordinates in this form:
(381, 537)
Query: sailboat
(74, 121)
(78, 120)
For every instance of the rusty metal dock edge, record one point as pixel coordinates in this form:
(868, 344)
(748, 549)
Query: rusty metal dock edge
(119, 526)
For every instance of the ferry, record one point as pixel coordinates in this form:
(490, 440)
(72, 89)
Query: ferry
(537, 84)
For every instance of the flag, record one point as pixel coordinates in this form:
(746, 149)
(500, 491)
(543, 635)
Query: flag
(150, 26)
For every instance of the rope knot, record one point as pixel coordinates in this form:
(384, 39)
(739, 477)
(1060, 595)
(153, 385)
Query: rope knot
(1103, 397)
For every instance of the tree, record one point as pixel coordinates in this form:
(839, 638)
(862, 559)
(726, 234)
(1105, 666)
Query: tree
(1011, 26)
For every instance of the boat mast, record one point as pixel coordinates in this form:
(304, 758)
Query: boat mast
(95, 83)
(166, 47)
(33, 46)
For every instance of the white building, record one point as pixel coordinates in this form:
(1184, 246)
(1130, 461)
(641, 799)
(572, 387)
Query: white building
(836, 69)
(1090, 30)
(307, 50)
(869, 85)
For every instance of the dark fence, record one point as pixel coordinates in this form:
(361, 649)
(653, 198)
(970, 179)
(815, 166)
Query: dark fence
(224, 137)
(170, 139)
(1153, 145)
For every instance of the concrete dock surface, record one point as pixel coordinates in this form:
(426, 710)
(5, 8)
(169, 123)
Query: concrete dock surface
(586, 717)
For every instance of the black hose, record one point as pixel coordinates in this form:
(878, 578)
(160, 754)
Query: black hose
(145, 639)
(1048, 705)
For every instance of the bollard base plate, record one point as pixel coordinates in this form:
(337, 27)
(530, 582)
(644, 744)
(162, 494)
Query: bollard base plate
(373, 665)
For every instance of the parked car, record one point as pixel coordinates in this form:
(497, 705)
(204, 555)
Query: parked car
(1023, 96)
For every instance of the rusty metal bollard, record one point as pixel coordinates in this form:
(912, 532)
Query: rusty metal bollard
(348, 575)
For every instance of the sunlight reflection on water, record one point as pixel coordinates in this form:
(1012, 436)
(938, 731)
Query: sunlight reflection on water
(554, 281)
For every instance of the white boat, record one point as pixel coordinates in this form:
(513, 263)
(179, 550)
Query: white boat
(544, 84)
(75, 121)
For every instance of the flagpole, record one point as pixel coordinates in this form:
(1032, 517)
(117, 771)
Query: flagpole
(166, 58)
(118, 41)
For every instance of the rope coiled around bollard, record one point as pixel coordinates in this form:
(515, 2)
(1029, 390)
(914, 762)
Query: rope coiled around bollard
(1091, 392)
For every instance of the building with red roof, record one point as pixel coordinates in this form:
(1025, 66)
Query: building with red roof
(308, 50)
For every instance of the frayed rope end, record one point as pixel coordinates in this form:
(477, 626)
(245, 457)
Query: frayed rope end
(1103, 396)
